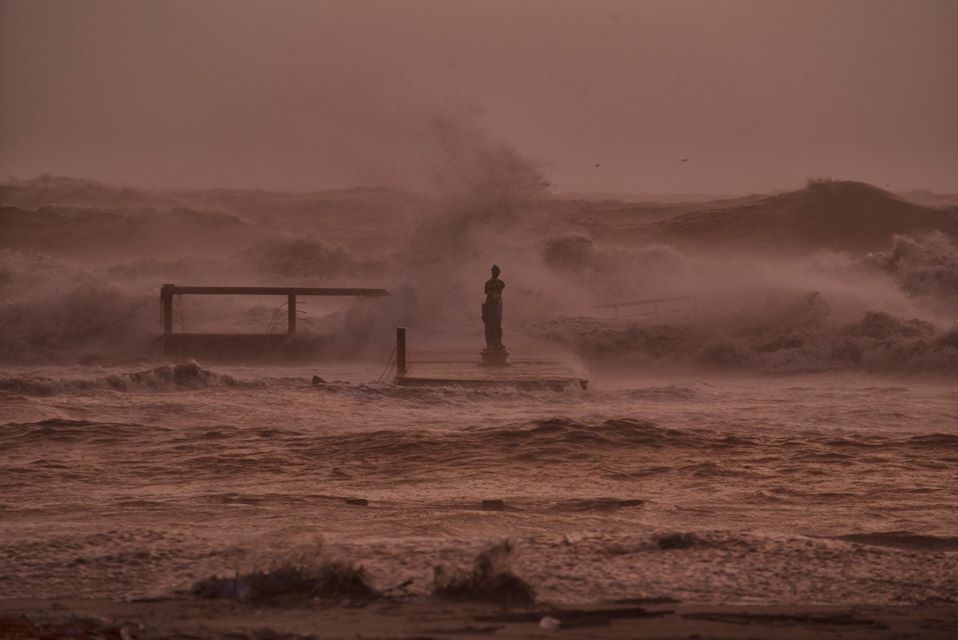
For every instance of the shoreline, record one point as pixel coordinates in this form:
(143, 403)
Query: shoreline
(422, 618)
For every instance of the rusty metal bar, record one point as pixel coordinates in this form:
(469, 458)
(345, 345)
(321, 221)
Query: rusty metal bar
(166, 305)
(291, 314)
(401, 351)
(169, 290)
(271, 291)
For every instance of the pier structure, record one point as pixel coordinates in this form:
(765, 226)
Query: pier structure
(240, 345)
(461, 369)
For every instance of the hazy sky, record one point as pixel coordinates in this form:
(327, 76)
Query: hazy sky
(308, 95)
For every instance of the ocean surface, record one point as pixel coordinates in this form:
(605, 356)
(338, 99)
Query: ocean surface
(138, 481)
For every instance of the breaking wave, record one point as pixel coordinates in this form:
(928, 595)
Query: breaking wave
(926, 265)
(64, 430)
(877, 342)
(310, 258)
(566, 433)
(626, 447)
(83, 300)
(77, 324)
(190, 376)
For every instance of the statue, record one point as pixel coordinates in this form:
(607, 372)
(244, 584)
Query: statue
(495, 353)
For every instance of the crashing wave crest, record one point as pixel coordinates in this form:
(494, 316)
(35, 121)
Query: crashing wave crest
(178, 377)
(925, 265)
(877, 342)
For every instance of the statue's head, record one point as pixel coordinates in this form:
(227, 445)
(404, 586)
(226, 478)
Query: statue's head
(495, 271)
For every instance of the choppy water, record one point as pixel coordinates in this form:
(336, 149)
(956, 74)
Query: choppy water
(828, 488)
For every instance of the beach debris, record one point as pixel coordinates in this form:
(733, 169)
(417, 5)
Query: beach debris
(490, 580)
(317, 380)
(550, 624)
(398, 587)
(493, 505)
(779, 619)
(576, 618)
(676, 541)
(81, 627)
(654, 600)
(329, 579)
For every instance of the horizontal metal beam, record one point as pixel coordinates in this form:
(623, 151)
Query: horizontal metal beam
(274, 291)
(638, 302)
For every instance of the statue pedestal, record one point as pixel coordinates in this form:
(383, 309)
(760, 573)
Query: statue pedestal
(494, 358)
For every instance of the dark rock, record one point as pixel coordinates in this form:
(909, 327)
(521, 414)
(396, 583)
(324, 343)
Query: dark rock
(331, 580)
(676, 541)
(490, 580)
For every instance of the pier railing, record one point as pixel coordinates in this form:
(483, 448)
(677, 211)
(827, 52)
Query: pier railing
(254, 347)
(170, 290)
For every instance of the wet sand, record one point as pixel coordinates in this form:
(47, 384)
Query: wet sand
(429, 618)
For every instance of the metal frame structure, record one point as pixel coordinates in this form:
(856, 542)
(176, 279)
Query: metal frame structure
(169, 290)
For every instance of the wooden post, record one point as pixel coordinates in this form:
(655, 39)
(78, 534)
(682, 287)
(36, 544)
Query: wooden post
(401, 350)
(166, 303)
(291, 314)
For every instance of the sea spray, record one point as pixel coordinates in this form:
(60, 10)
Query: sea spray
(490, 579)
(481, 202)
(303, 576)
(925, 266)
(805, 339)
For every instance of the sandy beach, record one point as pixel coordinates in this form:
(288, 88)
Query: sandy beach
(422, 619)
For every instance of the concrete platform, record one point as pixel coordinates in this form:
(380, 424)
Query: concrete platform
(445, 369)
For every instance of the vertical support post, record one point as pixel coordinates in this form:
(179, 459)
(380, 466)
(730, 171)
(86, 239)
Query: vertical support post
(291, 314)
(401, 350)
(166, 304)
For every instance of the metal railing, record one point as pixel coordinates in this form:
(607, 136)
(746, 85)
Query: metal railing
(169, 290)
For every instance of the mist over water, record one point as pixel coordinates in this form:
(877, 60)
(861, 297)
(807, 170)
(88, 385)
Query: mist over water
(82, 263)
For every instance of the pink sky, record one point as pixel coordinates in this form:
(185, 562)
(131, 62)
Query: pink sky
(756, 95)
